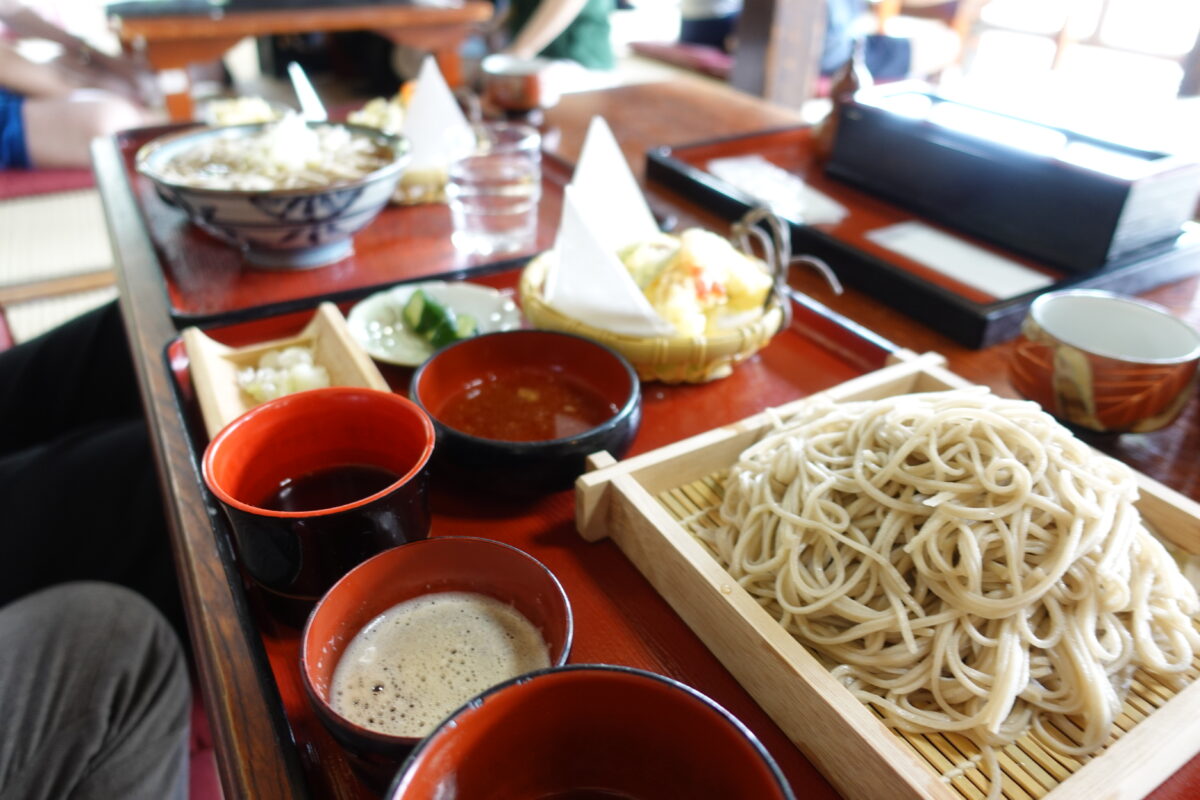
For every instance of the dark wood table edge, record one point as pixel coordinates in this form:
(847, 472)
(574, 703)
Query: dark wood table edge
(253, 758)
(969, 323)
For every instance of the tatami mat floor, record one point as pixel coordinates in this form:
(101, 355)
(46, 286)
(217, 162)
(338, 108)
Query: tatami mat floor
(48, 237)
(32, 317)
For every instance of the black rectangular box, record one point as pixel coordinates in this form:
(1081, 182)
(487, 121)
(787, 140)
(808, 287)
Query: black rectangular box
(1069, 200)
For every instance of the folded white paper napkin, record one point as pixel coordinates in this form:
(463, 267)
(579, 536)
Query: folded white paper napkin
(608, 194)
(588, 282)
(603, 212)
(434, 124)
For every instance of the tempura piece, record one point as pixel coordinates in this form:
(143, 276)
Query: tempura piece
(698, 281)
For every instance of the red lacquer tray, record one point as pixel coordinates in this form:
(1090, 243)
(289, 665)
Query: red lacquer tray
(619, 618)
(208, 282)
(966, 314)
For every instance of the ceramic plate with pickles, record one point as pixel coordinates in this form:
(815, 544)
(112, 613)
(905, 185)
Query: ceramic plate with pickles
(406, 324)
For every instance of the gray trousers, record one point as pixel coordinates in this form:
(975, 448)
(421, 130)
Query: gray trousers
(94, 697)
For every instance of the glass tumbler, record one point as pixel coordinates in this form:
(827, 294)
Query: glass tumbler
(493, 193)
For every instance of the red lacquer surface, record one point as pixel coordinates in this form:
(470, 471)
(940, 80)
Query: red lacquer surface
(619, 618)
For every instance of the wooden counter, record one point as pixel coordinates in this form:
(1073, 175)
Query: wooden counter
(171, 41)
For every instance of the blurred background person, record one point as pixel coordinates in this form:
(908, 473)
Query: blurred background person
(50, 111)
(574, 30)
(710, 22)
(908, 48)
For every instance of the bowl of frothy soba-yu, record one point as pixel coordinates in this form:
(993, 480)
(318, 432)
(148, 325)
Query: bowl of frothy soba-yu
(290, 194)
(408, 636)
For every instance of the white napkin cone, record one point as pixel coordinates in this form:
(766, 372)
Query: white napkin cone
(434, 124)
(607, 192)
(603, 211)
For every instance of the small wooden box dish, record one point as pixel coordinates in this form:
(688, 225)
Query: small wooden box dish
(640, 503)
(214, 366)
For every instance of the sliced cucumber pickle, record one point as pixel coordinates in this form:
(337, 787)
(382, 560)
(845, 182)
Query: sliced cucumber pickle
(436, 323)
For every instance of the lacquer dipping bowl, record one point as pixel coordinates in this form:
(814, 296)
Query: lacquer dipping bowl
(517, 413)
(591, 732)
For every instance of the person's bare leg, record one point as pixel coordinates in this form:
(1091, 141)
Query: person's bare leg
(59, 131)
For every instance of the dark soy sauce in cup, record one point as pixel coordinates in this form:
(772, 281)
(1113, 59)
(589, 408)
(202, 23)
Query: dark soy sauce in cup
(329, 487)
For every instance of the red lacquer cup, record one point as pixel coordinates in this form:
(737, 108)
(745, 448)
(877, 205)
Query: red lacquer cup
(442, 564)
(298, 554)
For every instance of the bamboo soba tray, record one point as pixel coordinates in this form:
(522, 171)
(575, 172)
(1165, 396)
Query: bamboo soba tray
(640, 503)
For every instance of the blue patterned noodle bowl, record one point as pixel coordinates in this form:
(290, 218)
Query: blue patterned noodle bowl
(288, 229)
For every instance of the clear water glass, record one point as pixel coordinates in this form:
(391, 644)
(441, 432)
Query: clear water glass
(494, 192)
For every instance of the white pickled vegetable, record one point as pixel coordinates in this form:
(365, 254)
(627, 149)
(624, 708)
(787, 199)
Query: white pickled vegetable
(281, 372)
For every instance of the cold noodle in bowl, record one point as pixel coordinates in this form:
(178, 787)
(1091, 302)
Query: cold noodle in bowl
(288, 154)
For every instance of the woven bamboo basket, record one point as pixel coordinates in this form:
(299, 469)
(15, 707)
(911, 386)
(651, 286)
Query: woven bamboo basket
(670, 359)
(683, 359)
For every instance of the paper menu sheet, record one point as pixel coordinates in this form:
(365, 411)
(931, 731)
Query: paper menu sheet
(964, 262)
(786, 194)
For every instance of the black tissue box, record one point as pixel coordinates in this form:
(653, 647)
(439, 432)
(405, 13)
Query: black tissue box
(1068, 200)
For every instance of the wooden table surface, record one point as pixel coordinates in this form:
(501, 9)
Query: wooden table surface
(255, 754)
(171, 41)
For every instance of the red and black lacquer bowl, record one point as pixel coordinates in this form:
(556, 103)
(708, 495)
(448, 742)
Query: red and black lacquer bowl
(441, 564)
(362, 453)
(517, 413)
(591, 731)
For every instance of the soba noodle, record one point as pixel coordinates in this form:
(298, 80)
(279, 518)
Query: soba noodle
(287, 154)
(961, 561)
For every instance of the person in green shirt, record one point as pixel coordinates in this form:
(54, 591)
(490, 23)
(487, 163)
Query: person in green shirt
(577, 30)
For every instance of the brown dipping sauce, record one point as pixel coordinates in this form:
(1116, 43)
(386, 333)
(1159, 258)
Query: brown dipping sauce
(329, 487)
(527, 404)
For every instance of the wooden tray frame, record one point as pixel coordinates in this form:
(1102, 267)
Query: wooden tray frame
(840, 735)
(969, 317)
